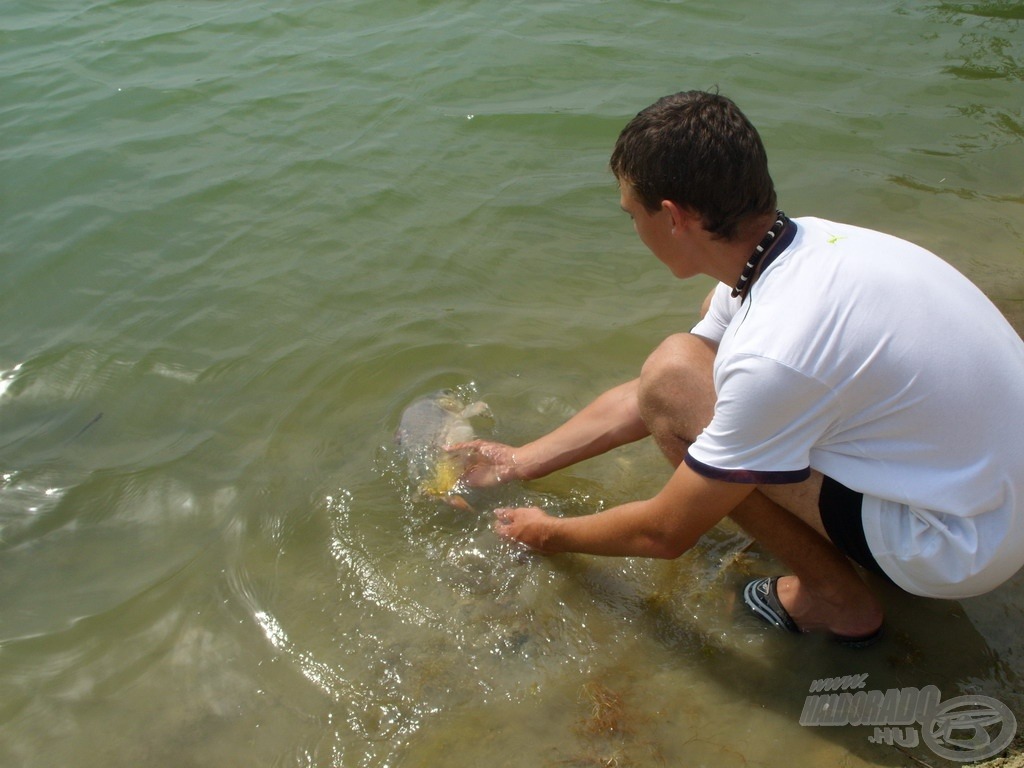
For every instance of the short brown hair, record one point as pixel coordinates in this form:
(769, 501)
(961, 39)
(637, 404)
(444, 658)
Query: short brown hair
(699, 151)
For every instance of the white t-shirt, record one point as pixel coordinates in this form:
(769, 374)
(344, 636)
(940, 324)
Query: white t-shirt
(876, 363)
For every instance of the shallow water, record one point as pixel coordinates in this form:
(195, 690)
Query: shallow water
(240, 238)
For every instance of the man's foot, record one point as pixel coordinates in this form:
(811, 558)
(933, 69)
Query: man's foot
(762, 598)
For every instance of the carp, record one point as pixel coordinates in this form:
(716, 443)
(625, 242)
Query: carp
(428, 425)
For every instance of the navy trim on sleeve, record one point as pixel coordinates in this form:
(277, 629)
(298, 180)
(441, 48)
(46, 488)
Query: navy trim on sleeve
(747, 475)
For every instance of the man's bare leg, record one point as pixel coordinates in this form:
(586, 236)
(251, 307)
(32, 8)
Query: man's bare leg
(677, 399)
(825, 590)
(676, 392)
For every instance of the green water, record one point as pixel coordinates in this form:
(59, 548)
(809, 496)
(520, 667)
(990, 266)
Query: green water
(238, 238)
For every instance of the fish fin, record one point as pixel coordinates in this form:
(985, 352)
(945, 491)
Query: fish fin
(456, 501)
(479, 408)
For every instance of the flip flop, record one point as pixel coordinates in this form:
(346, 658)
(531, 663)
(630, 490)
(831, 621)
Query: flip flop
(762, 598)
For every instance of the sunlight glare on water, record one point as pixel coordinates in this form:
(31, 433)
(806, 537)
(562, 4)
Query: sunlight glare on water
(239, 239)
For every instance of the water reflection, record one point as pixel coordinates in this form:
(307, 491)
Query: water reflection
(74, 553)
(224, 569)
(990, 40)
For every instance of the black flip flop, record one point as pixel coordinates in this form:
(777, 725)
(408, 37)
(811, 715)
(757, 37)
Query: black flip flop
(762, 598)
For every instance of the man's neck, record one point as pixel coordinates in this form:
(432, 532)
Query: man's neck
(728, 258)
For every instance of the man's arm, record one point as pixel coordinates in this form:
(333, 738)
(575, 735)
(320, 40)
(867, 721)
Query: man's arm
(613, 419)
(663, 526)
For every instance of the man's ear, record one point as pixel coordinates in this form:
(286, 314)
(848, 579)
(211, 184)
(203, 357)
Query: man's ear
(681, 217)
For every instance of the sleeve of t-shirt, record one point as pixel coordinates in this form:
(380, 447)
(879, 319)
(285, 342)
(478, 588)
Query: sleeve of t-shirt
(712, 326)
(767, 419)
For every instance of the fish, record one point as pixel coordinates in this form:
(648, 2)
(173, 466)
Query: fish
(428, 425)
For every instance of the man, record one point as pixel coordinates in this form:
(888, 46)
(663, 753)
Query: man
(845, 396)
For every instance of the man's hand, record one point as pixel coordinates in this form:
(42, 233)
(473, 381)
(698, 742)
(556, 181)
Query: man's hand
(486, 463)
(527, 525)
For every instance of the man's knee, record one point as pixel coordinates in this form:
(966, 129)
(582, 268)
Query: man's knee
(676, 391)
(679, 359)
(705, 306)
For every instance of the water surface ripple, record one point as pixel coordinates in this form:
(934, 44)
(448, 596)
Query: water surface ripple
(238, 238)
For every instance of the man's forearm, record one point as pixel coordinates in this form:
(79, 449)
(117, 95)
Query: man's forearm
(613, 419)
(629, 530)
(666, 525)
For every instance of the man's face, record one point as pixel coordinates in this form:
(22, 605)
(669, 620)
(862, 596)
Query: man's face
(654, 229)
